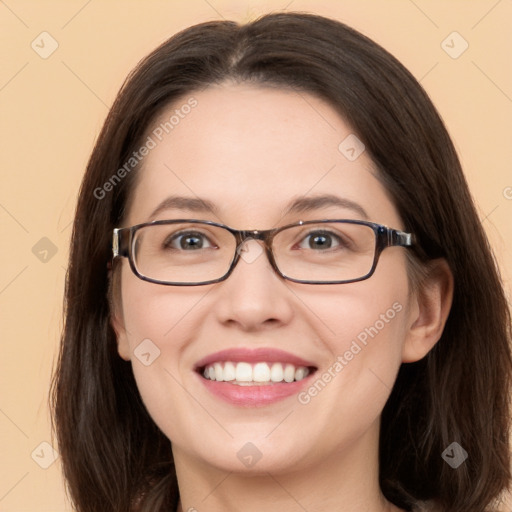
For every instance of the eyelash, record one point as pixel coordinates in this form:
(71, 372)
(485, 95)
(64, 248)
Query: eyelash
(176, 236)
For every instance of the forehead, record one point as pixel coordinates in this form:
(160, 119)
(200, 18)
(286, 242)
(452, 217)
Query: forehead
(250, 150)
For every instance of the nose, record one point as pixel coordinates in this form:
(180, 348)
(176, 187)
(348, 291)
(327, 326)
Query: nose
(253, 297)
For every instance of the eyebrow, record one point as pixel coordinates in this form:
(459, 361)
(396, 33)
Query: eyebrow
(307, 204)
(191, 204)
(300, 205)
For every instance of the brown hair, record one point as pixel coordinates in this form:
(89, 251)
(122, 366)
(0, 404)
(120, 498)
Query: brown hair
(114, 457)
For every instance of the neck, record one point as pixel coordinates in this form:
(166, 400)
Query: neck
(344, 480)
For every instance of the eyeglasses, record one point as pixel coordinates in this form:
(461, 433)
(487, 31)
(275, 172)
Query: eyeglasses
(196, 252)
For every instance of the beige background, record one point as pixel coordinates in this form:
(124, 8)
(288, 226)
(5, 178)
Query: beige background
(51, 110)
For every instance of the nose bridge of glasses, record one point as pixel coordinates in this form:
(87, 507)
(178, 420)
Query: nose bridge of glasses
(255, 235)
(253, 243)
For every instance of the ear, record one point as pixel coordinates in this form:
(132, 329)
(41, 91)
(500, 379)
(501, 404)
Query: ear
(123, 347)
(429, 311)
(116, 315)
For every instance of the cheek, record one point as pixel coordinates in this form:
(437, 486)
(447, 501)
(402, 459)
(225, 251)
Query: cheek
(370, 354)
(365, 320)
(365, 341)
(159, 321)
(369, 328)
(160, 313)
(366, 324)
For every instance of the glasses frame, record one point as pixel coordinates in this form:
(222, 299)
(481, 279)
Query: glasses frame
(123, 242)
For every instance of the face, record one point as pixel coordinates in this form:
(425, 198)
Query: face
(251, 152)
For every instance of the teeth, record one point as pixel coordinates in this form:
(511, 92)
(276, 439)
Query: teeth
(276, 372)
(261, 372)
(300, 373)
(246, 374)
(218, 371)
(229, 371)
(289, 373)
(243, 372)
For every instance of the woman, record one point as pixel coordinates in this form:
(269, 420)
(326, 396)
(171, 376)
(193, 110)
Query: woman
(279, 294)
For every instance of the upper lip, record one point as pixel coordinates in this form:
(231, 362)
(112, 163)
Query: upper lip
(255, 355)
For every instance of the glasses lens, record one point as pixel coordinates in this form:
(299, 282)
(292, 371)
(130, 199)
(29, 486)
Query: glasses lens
(331, 251)
(183, 252)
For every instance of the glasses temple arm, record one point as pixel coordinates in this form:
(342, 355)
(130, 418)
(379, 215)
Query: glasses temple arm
(116, 243)
(400, 238)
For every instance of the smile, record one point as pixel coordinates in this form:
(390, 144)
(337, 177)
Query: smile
(247, 374)
(254, 377)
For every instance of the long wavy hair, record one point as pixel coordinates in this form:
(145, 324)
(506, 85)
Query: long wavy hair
(114, 457)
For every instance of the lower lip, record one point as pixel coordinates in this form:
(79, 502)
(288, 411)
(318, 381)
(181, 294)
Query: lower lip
(254, 396)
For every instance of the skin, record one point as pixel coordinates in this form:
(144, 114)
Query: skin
(251, 150)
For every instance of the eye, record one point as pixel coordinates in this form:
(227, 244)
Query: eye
(321, 240)
(187, 241)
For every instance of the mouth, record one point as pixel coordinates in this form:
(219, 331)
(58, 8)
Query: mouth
(244, 373)
(254, 377)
